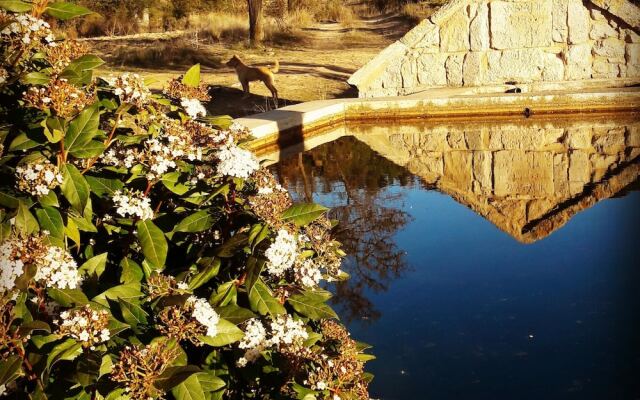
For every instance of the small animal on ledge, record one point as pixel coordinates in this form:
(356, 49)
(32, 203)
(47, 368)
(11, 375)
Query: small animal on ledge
(247, 74)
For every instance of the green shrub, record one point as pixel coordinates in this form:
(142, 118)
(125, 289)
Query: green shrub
(143, 252)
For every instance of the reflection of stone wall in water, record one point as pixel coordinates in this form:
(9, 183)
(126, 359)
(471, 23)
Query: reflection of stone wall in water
(528, 180)
(489, 42)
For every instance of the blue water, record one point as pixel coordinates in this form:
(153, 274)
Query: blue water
(468, 312)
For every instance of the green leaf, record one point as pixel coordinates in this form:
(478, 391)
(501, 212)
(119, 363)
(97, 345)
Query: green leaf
(192, 77)
(133, 314)
(210, 268)
(103, 186)
(86, 62)
(83, 128)
(95, 265)
(83, 224)
(173, 376)
(22, 142)
(196, 222)
(210, 382)
(36, 78)
(228, 333)
(131, 271)
(51, 220)
(68, 350)
(262, 301)
(226, 293)
(53, 129)
(235, 313)
(16, 6)
(65, 11)
(9, 200)
(309, 306)
(154, 244)
(10, 369)
(68, 297)
(29, 327)
(189, 389)
(25, 221)
(72, 232)
(254, 269)
(74, 187)
(49, 200)
(129, 292)
(92, 149)
(230, 247)
(106, 366)
(303, 214)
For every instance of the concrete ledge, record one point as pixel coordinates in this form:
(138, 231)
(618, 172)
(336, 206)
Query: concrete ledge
(289, 125)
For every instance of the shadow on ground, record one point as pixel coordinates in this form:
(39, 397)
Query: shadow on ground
(229, 101)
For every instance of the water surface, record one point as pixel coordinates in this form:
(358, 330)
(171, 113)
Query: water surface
(489, 261)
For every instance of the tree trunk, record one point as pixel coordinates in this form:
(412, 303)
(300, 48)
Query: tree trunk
(256, 34)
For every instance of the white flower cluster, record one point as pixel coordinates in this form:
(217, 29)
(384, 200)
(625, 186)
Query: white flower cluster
(125, 158)
(29, 29)
(193, 108)
(133, 203)
(11, 266)
(282, 253)
(130, 88)
(86, 325)
(38, 178)
(308, 274)
(236, 162)
(58, 269)
(159, 160)
(284, 332)
(204, 314)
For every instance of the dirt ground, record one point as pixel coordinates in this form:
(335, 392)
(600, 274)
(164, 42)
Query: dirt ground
(313, 66)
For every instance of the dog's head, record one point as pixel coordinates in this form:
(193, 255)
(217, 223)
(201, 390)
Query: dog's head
(234, 61)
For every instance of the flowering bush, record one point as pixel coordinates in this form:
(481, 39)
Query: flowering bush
(144, 253)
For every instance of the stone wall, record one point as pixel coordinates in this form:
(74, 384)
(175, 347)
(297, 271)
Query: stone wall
(495, 42)
(516, 175)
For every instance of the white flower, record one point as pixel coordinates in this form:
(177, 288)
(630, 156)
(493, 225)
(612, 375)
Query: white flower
(254, 334)
(58, 269)
(282, 253)
(236, 162)
(133, 203)
(308, 274)
(38, 178)
(287, 331)
(193, 107)
(86, 325)
(205, 314)
(11, 267)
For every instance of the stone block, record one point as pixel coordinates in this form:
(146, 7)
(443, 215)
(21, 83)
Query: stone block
(482, 172)
(602, 30)
(477, 139)
(456, 140)
(538, 208)
(422, 35)
(633, 136)
(520, 24)
(409, 72)
(474, 68)
(602, 68)
(479, 28)
(612, 142)
(613, 49)
(520, 65)
(525, 174)
(632, 53)
(458, 171)
(432, 70)
(561, 175)
(392, 75)
(453, 66)
(553, 67)
(579, 138)
(436, 140)
(579, 171)
(603, 163)
(578, 22)
(454, 33)
(578, 62)
(560, 29)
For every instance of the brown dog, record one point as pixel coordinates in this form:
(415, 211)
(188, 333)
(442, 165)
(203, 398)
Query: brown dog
(248, 74)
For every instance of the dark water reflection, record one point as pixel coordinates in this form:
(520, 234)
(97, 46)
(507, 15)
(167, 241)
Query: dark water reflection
(488, 261)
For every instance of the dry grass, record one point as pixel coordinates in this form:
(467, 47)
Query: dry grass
(169, 54)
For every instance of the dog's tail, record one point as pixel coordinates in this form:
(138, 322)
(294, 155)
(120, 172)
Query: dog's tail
(276, 68)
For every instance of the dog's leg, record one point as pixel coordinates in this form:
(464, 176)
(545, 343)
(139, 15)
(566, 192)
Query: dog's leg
(245, 89)
(274, 92)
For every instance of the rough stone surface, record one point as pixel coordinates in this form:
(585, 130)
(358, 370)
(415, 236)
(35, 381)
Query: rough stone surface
(524, 173)
(579, 62)
(492, 42)
(579, 171)
(479, 28)
(578, 22)
(520, 24)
